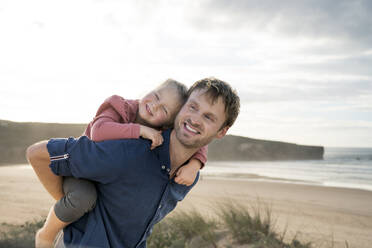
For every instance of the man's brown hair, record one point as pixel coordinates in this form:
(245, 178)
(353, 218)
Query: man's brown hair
(216, 88)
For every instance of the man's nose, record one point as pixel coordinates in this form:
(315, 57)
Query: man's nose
(195, 121)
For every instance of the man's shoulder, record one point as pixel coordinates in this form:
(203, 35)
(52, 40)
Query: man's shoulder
(126, 150)
(131, 144)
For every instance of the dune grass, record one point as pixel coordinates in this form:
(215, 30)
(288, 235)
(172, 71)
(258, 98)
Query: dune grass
(232, 226)
(19, 236)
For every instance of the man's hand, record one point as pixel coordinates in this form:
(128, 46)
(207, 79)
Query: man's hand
(151, 134)
(38, 156)
(186, 174)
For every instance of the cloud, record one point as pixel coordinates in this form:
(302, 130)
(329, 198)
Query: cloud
(354, 92)
(317, 19)
(353, 65)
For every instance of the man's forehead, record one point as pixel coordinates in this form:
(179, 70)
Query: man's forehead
(200, 96)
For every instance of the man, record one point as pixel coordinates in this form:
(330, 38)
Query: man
(135, 184)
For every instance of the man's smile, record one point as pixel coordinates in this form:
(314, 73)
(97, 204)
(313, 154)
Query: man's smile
(190, 129)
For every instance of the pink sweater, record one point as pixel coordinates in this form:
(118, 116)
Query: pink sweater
(115, 120)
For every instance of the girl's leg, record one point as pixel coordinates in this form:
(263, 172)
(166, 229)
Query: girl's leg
(80, 197)
(38, 156)
(45, 236)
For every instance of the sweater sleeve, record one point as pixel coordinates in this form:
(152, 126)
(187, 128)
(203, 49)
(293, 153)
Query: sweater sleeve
(201, 155)
(107, 126)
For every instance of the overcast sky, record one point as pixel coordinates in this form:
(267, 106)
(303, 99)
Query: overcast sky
(303, 69)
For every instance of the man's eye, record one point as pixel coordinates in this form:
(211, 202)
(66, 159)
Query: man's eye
(157, 97)
(210, 118)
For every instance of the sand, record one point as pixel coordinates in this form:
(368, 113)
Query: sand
(327, 216)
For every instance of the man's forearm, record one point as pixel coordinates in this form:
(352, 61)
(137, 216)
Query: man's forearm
(38, 156)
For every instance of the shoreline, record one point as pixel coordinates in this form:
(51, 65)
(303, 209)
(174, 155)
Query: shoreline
(313, 213)
(259, 178)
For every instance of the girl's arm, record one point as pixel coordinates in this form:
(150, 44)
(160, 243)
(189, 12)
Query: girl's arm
(107, 126)
(186, 174)
(201, 155)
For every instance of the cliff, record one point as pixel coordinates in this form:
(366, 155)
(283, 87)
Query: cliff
(246, 149)
(15, 137)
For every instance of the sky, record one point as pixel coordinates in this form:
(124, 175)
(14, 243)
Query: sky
(302, 69)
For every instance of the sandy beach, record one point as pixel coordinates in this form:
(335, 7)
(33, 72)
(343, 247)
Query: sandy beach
(324, 215)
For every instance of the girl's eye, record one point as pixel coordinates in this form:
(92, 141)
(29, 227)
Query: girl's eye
(157, 97)
(165, 111)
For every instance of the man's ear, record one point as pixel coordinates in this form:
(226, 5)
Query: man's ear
(222, 132)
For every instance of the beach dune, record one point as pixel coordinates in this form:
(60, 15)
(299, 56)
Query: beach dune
(327, 216)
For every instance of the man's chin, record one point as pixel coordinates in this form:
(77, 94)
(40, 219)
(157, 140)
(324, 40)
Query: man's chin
(191, 143)
(186, 141)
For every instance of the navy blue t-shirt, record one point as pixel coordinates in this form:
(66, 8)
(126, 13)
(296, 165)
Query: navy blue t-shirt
(133, 187)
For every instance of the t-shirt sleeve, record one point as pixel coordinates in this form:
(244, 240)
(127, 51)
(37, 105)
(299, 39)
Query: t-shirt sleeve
(201, 155)
(84, 158)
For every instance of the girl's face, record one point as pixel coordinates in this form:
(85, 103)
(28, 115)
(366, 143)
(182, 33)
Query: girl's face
(159, 107)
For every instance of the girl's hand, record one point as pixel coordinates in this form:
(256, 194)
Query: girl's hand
(151, 134)
(186, 175)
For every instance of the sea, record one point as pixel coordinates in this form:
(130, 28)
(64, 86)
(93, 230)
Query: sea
(341, 167)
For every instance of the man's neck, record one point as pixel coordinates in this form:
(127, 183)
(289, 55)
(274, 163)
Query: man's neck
(178, 153)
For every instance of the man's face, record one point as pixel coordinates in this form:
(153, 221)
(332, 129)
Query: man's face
(200, 121)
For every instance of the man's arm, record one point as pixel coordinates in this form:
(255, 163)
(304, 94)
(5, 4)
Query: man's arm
(38, 156)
